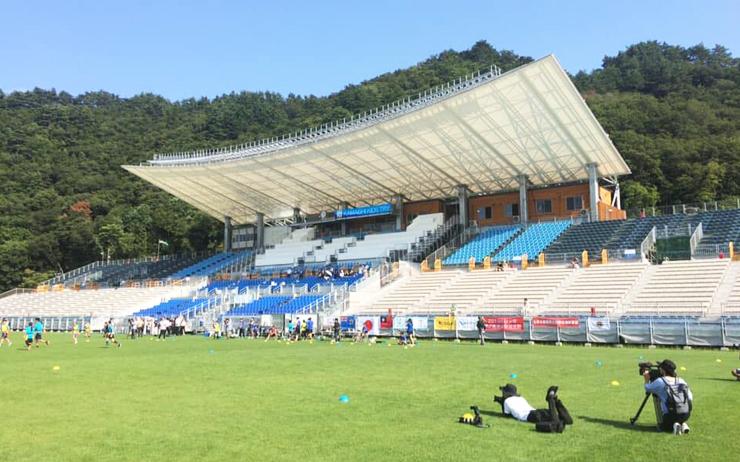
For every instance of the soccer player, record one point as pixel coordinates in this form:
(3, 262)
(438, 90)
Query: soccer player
(29, 335)
(272, 333)
(290, 330)
(410, 331)
(38, 333)
(304, 330)
(88, 332)
(75, 332)
(5, 333)
(309, 327)
(337, 330)
(361, 334)
(110, 334)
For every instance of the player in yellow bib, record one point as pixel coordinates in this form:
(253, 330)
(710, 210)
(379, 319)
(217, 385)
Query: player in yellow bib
(75, 332)
(5, 333)
(88, 332)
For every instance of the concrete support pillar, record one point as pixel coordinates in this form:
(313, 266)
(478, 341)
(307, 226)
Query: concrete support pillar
(227, 234)
(523, 211)
(343, 223)
(462, 203)
(296, 214)
(593, 190)
(398, 204)
(259, 232)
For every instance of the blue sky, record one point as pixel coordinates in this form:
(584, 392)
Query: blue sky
(182, 49)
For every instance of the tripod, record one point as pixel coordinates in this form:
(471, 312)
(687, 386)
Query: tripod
(639, 411)
(658, 414)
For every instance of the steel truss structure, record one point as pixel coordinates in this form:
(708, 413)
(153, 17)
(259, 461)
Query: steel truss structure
(486, 131)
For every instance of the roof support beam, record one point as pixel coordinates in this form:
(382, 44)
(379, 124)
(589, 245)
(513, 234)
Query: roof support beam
(175, 191)
(520, 122)
(334, 199)
(474, 154)
(402, 188)
(353, 171)
(245, 189)
(218, 192)
(413, 155)
(560, 125)
(474, 134)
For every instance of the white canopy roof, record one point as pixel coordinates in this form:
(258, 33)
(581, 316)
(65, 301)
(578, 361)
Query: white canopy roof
(484, 132)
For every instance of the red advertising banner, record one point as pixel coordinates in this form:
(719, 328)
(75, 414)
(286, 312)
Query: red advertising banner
(563, 323)
(511, 324)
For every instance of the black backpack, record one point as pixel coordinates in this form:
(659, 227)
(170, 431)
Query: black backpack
(678, 398)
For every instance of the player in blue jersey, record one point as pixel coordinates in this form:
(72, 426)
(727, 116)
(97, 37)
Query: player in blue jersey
(38, 333)
(309, 328)
(29, 336)
(410, 332)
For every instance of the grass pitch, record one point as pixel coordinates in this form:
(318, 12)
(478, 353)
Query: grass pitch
(192, 398)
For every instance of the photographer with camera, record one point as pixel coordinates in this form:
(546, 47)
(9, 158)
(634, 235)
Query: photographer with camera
(552, 419)
(676, 400)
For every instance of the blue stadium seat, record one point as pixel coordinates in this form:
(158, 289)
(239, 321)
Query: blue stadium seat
(210, 265)
(532, 241)
(483, 245)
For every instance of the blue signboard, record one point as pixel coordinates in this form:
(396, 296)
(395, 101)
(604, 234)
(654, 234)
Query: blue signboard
(347, 323)
(370, 210)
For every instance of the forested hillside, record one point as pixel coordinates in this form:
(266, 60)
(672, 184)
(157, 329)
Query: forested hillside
(674, 114)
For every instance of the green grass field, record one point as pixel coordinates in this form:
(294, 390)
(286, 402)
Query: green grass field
(196, 399)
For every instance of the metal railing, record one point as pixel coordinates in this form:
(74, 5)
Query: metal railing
(332, 129)
(648, 244)
(93, 270)
(696, 236)
(11, 292)
(453, 244)
(693, 309)
(711, 251)
(417, 249)
(687, 208)
(730, 309)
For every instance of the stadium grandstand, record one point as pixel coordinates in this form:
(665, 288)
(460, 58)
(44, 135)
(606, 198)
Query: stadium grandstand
(494, 195)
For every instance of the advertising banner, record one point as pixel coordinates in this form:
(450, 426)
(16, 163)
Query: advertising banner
(371, 322)
(419, 322)
(347, 323)
(598, 324)
(466, 322)
(369, 211)
(561, 322)
(444, 323)
(504, 324)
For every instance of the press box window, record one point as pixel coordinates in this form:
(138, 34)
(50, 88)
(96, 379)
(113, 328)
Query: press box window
(488, 213)
(544, 206)
(574, 203)
(511, 210)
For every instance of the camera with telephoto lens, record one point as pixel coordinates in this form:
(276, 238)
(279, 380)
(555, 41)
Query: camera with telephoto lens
(499, 399)
(650, 367)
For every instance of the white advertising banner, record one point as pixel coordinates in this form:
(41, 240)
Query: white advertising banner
(371, 322)
(466, 322)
